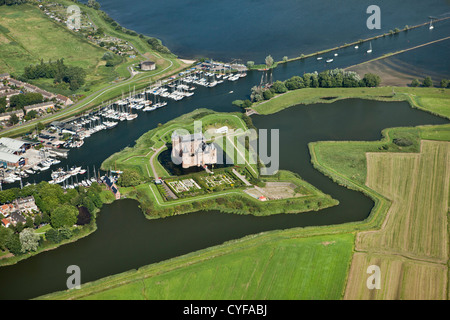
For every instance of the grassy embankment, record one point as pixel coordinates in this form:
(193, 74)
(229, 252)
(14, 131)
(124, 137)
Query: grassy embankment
(144, 155)
(27, 35)
(242, 269)
(433, 100)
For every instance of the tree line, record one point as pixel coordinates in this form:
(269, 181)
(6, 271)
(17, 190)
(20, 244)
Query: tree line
(11, 2)
(336, 78)
(74, 76)
(428, 82)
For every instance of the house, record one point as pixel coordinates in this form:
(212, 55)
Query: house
(16, 217)
(112, 186)
(11, 160)
(147, 65)
(40, 107)
(64, 100)
(6, 209)
(26, 205)
(6, 222)
(7, 115)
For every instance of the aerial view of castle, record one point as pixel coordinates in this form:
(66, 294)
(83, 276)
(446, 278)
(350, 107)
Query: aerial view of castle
(192, 150)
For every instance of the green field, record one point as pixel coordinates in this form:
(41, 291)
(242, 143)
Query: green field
(27, 35)
(433, 100)
(276, 267)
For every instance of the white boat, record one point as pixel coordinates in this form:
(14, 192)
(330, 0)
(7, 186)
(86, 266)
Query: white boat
(335, 54)
(132, 116)
(329, 60)
(370, 50)
(9, 180)
(356, 47)
(431, 25)
(319, 58)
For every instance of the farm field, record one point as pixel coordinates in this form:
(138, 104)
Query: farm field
(411, 247)
(273, 267)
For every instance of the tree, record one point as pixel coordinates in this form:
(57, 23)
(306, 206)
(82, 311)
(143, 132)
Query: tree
(129, 178)
(40, 126)
(371, 80)
(257, 94)
(250, 64)
(267, 94)
(13, 244)
(93, 4)
(13, 119)
(285, 59)
(5, 233)
(444, 83)
(427, 82)
(64, 216)
(294, 83)
(29, 240)
(269, 61)
(415, 83)
(279, 87)
(29, 222)
(53, 236)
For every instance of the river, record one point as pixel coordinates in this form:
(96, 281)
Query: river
(126, 240)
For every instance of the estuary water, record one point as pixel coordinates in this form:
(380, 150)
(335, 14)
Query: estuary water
(252, 29)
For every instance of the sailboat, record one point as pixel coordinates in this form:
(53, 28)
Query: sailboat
(431, 25)
(370, 50)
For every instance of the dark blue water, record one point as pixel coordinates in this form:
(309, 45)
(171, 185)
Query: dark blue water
(252, 29)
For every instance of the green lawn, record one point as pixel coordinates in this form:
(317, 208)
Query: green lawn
(31, 36)
(272, 267)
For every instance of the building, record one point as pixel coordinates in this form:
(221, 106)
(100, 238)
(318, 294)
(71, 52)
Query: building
(63, 127)
(147, 65)
(192, 150)
(40, 107)
(13, 146)
(26, 205)
(65, 101)
(11, 160)
(6, 209)
(6, 222)
(7, 115)
(16, 217)
(112, 187)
